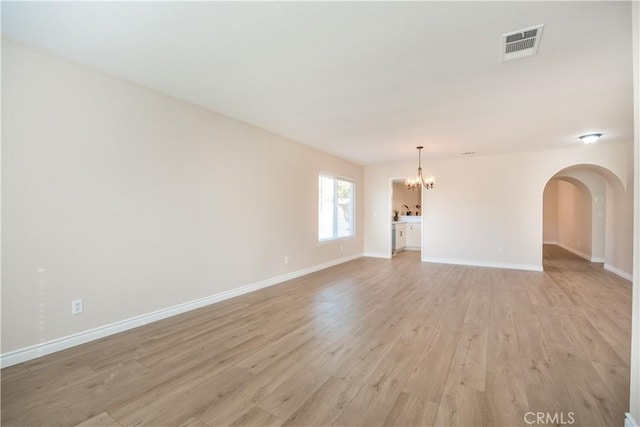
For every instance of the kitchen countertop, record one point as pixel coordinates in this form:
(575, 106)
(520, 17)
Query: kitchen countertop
(409, 218)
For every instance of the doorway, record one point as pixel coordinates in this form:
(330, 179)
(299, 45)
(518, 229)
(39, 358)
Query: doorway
(406, 217)
(586, 212)
(569, 221)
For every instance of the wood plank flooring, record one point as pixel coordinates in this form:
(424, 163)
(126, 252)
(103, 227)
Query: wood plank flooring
(369, 343)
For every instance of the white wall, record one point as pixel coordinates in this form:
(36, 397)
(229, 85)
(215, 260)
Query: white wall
(634, 406)
(574, 218)
(487, 203)
(135, 201)
(596, 199)
(619, 225)
(404, 196)
(575, 203)
(550, 212)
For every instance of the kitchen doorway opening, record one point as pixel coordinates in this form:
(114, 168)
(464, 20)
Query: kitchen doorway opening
(405, 225)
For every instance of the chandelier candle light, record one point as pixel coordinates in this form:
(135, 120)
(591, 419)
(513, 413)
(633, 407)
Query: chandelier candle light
(426, 182)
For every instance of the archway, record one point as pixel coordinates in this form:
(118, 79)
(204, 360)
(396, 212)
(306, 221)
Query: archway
(568, 218)
(586, 211)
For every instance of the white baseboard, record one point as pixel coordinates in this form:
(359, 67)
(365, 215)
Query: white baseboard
(629, 421)
(619, 272)
(511, 266)
(574, 251)
(580, 254)
(377, 255)
(58, 344)
(549, 242)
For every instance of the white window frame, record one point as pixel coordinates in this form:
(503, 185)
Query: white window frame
(335, 179)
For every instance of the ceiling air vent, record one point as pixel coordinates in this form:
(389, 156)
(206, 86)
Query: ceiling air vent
(521, 43)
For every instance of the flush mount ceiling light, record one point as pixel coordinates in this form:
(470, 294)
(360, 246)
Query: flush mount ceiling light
(419, 180)
(590, 138)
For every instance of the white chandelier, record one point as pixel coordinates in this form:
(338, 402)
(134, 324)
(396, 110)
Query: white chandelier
(426, 182)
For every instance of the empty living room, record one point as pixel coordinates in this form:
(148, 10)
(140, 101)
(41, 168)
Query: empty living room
(320, 213)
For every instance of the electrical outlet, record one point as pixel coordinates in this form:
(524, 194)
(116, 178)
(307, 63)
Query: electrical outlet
(76, 306)
(501, 251)
(342, 247)
(286, 260)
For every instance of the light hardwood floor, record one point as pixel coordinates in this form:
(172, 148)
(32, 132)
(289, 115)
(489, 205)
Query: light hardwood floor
(368, 343)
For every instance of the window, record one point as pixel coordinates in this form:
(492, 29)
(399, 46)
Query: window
(336, 199)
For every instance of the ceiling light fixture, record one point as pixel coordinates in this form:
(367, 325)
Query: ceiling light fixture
(590, 138)
(419, 180)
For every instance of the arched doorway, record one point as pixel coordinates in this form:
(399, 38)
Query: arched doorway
(569, 220)
(585, 211)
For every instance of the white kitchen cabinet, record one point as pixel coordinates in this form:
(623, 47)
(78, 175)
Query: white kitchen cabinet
(414, 236)
(400, 231)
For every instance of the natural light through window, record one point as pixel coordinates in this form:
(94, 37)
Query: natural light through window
(336, 199)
